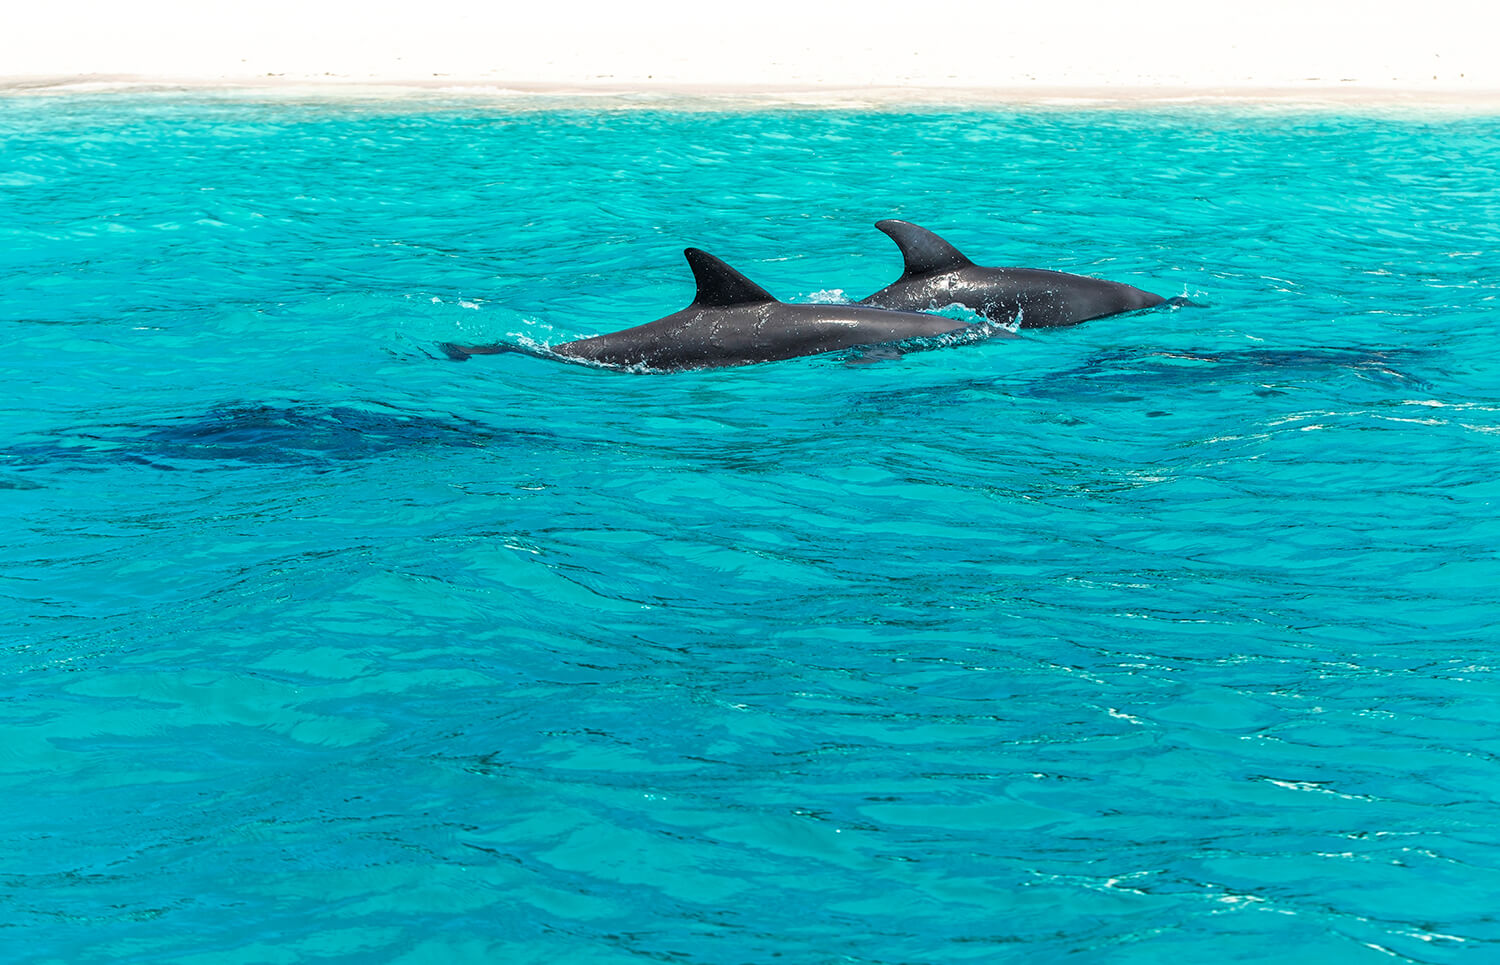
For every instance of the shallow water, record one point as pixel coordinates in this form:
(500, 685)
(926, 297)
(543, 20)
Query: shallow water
(1163, 638)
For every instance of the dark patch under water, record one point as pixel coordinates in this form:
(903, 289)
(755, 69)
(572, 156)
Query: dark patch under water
(320, 439)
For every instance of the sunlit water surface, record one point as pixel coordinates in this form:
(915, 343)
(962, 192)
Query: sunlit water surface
(1166, 638)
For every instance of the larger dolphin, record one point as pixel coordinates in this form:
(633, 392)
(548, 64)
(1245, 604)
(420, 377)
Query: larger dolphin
(937, 274)
(734, 321)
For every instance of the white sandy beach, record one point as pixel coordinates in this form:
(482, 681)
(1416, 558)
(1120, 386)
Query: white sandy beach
(1439, 51)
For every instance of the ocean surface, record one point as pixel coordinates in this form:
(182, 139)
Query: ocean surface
(1166, 638)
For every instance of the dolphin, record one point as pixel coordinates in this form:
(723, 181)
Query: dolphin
(937, 274)
(734, 321)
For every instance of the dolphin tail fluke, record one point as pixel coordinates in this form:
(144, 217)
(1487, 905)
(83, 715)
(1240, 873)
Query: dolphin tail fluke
(461, 353)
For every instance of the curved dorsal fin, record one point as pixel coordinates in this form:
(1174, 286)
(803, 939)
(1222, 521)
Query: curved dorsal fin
(720, 286)
(924, 251)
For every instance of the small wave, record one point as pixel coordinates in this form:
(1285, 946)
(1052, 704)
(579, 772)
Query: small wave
(830, 296)
(980, 331)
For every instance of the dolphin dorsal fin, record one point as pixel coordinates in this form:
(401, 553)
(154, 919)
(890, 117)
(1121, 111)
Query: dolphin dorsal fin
(720, 286)
(924, 251)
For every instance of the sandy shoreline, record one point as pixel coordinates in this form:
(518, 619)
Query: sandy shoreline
(1066, 53)
(709, 96)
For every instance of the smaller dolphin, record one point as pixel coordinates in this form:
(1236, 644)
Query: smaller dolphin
(937, 274)
(734, 321)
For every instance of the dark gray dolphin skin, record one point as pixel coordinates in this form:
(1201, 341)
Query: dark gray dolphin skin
(937, 274)
(734, 321)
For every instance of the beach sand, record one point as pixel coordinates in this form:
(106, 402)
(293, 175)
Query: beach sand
(1069, 51)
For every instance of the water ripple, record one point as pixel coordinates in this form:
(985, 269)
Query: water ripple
(1166, 635)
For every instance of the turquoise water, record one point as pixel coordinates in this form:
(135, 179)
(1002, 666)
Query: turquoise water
(1164, 638)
